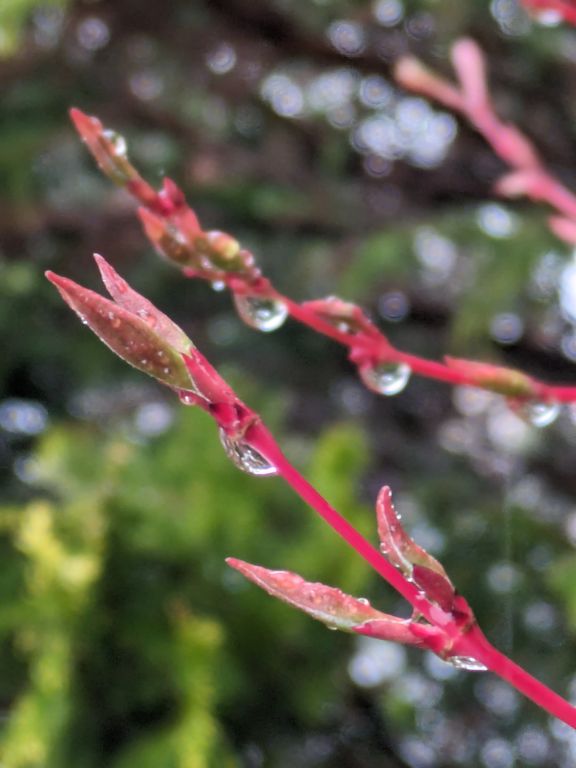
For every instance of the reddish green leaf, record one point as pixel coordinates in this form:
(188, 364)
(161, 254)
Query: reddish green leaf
(413, 561)
(505, 381)
(127, 297)
(327, 604)
(135, 336)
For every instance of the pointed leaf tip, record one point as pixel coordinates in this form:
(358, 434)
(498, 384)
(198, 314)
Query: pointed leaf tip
(107, 147)
(134, 302)
(63, 284)
(132, 337)
(414, 562)
(80, 118)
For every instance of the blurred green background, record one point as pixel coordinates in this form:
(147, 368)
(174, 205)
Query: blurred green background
(125, 641)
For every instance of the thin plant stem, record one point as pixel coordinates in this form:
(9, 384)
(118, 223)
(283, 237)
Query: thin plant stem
(471, 642)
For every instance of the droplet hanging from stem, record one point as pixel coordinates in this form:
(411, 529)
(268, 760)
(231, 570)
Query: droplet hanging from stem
(261, 313)
(386, 378)
(245, 457)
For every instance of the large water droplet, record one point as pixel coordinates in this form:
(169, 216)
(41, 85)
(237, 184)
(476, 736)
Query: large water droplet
(218, 285)
(245, 457)
(540, 414)
(118, 142)
(386, 378)
(466, 662)
(261, 313)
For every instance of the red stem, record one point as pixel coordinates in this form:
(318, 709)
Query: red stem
(469, 642)
(474, 643)
(261, 440)
(379, 348)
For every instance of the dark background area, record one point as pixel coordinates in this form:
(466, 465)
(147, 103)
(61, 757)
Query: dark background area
(124, 640)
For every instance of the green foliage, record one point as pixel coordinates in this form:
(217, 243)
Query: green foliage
(130, 632)
(13, 17)
(562, 579)
(494, 273)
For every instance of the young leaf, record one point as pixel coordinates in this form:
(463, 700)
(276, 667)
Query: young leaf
(413, 561)
(108, 149)
(134, 329)
(505, 381)
(128, 298)
(326, 604)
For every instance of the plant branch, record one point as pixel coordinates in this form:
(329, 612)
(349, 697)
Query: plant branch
(470, 98)
(442, 621)
(175, 232)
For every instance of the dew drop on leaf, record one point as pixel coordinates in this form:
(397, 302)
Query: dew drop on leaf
(148, 317)
(218, 285)
(246, 458)
(118, 142)
(540, 414)
(466, 662)
(386, 378)
(261, 313)
(114, 320)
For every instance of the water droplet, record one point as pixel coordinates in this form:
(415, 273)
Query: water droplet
(386, 378)
(540, 414)
(114, 320)
(148, 317)
(332, 627)
(166, 371)
(245, 457)
(187, 398)
(364, 600)
(118, 142)
(218, 285)
(261, 313)
(144, 361)
(466, 662)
